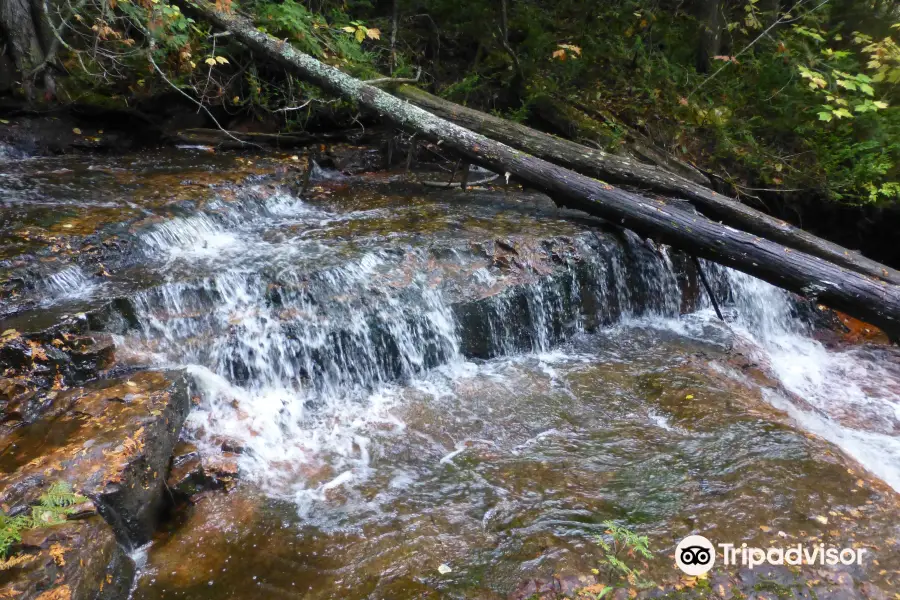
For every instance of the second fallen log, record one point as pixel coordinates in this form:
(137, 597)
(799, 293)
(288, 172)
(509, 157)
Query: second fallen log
(626, 171)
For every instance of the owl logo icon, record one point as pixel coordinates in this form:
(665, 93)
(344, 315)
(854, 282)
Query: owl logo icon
(695, 555)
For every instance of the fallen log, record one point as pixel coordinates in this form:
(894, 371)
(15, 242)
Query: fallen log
(620, 170)
(866, 298)
(575, 125)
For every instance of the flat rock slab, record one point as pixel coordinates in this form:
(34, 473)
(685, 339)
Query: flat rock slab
(111, 441)
(75, 560)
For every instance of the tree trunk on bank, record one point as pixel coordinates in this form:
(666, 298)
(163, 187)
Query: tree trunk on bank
(710, 17)
(620, 170)
(873, 301)
(24, 38)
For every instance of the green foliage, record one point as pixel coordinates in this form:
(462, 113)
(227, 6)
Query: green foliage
(293, 21)
(53, 507)
(800, 101)
(621, 546)
(10, 532)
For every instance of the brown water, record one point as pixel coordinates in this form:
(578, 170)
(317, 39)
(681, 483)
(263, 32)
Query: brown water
(509, 470)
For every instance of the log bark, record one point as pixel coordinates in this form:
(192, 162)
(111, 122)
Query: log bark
(619, 170)
(574, 124)
(863, 297)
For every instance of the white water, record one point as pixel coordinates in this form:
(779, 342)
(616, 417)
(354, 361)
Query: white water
(850, 397)
(69, 284)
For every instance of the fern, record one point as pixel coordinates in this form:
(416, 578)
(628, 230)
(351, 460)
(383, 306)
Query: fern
(10, 532)
(54, 506)
(623, 543)
(61, 495)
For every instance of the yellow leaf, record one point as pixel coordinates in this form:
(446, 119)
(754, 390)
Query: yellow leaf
(373, 33)
(349, 29)
(210, 61)
(765, 529)
(221, 60)
(560, 54)
(360, 35)
(76, 131)
(821, 519)
(689, 397)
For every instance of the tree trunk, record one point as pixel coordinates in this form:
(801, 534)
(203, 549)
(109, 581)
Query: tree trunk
(23, 38)
(710, 17)
(620, 170)
(873, 301)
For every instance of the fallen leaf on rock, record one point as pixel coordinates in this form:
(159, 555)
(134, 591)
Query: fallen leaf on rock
(444, 569)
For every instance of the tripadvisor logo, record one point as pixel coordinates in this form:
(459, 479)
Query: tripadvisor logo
(696, 555)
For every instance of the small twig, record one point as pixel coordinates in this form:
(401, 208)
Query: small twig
(413, 144)
(395, 24)
(455, 170)
(290, 108)
(709, 292)
(504, 36)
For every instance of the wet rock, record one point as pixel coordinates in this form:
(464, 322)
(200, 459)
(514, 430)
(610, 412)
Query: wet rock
(186, 476)
(111, 441)
(872, 592)
(77, 560)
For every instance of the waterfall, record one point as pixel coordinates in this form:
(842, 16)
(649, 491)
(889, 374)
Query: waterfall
(850, 397)
(295, 343)
(301, 342)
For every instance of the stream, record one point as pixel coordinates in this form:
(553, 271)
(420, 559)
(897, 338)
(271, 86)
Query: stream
(429, 393)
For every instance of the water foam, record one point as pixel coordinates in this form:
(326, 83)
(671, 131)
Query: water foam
(69, 284)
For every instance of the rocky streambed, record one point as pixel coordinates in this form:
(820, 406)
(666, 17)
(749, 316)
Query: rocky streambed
(374, 388)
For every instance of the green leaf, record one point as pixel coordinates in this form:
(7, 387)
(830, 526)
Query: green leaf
(867, 89)
(825, 116)
(843, 113)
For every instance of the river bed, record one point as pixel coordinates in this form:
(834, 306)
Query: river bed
(434, 393)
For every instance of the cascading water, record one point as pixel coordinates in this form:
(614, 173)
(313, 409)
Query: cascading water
(296, 356)
(408, 379)
(848, 396)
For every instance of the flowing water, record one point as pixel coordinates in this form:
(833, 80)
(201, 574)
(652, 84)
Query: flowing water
(409, 378)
